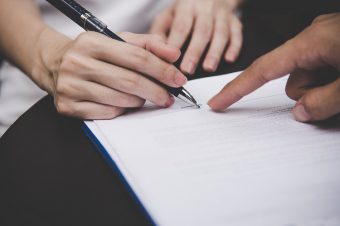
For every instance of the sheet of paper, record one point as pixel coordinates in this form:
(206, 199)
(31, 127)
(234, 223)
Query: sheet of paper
(250, 165)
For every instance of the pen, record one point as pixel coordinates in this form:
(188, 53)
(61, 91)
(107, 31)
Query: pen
(86, 20)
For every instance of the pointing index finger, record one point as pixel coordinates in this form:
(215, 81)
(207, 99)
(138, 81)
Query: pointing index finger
(273, 65)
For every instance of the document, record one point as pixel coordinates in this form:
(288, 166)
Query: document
(252, 165)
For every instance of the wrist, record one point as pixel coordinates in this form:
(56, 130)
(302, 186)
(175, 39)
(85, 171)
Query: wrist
(49, 47)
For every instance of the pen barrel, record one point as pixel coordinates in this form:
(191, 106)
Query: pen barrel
(174, 91)
(71, 9)
(79, 15)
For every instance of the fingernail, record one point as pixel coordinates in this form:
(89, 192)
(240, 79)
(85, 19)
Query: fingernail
(180, 79)
(301, 114)
(211, 65)
(230, 57)
(179, 53)
(209, 102)
(170, 102)
(190, 68)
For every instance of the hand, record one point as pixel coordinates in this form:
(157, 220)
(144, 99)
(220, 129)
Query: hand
(317, 91)
(207, 21)
(95, 77)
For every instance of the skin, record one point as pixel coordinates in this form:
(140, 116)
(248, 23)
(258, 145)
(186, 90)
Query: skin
(93, 76)
(210, 24)
(312, 59)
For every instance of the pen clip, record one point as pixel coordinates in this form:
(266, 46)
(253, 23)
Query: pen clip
(84, 18)
(91, 21)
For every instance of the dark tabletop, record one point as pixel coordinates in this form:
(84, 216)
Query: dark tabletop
(51, 174)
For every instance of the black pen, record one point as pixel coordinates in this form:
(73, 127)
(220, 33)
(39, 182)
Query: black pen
(86, 20)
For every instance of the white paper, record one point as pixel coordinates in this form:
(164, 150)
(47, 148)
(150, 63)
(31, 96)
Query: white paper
(251, 165)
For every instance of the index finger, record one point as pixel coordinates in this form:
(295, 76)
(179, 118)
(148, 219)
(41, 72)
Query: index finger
(154, 44)
(273, 65)
(136, 59)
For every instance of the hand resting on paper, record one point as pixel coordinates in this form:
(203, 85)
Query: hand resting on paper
(204, 21)
(312, 59)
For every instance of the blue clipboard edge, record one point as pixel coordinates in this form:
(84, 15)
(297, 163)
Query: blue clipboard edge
(103, 152)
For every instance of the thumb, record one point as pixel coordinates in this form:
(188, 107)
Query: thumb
(319, 103)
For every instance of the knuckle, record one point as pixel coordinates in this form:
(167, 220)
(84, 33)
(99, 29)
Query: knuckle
(299, 45)
(262, 71)
(86, 39)
(235, 46)
(141, 59)
(258, 67)
(204, 30)
(115, 112)
(213, 56)
(131, 82)
(168, 73)
(140, 103)
(194, 52)
(235, 95)
(319, 18)
(79, 110)
(157, 38)
(83, 114)
(182, 28)
(161, 97)
(72, 65)
(69, 62)
(131, 101)
(62, 107)
(263, 78)
(126, 101)
(111, 112)
(222, 30)
(312, 106)
(82, 36)
(125, 34)
(62, 87)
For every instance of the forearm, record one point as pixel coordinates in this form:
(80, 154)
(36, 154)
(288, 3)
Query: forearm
(20, 26)
(25, 39)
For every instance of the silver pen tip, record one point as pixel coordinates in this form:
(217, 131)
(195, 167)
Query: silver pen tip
(187, 95)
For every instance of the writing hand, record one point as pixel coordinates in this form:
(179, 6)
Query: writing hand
(95, 77)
